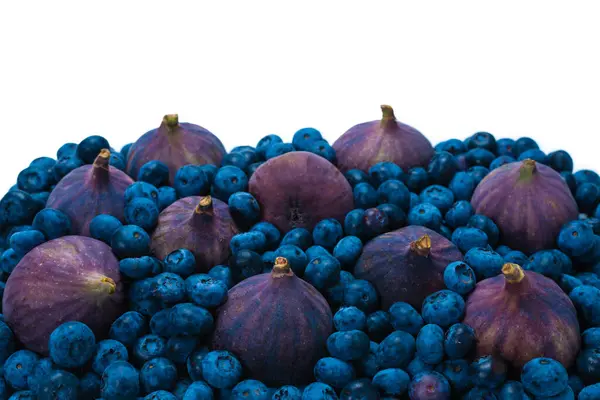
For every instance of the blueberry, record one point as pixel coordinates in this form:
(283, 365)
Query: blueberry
(586, 175)
(417, 179)
(268, 259)
(443, 308)
(71, 344)
(569, 179)
(335, 294)
(9, 260)
(442, 168)
(479, 393)
(103, 227)
(594, 222)
(454, 146)
(160, 323)
(154, 172)
(429, 385)
(327, 233)
(466, 238)
(248, 152)
(229, 180)
(264, 143)
(334, 372)
(394, 192)
(279, 149)
(591, 392)
(587, 196)
(223, 274)
(488, 372)
(237, 159)
(503, 250)
(348, 345)
(348, 250)
(512, 390)
(272, 234)
(107, 352)
(253, 240)
(523, 144)
(287, 392)
(180, 347)
(41, 198)
(304, 137)
(323, 149)
(205, 291)
(587, 302)
(7, 342)
(487, 225)
(194, 363)
(323, 272)
(560, 161)
(181, 262)
(58, 385)
(117, 161)
(414, 200)
(384, 171)
(591, 338)
(544, 377)
(462, 186)
(365, 195)
(533, 154)
(395, 215)
(52, 223)
(457, 372)
(576, 384)
(246, 263)
(430, 344)
(368, 365)
(505, 147)
(89, 386)
(198, 390)
(354, 223)
(120, 381)
(190, 319)
(392, 382)
(130, 241)
(191, 180)
(486, 263)
(459, 214)
(356, 176)
(244, 209)
(379, 325)
(65, 165)
(148, 347)
(545, 262)
(459, 277)
(396, 350)
(478, 172)
(128, 327)
(299, 237)
(158, 374)
(160, 395)
(143, 213)
(295, 256)
(361, 294)
(405, 318)
(350, 318)
(168, 287)
(88, 148)
(166, 196)
(416, 366)
(500, 161)
(18, 367)
(319, 391)
(25, 241)
(359, 389)
(426, 215)
(35, 179)
(375, 223)
(516, 257)
(479, 157)
(567, 282)
(221, 369)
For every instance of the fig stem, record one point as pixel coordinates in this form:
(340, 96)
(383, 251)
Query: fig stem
(388, 118)
(281, 268)
(205, 206)
(513, 273)
(527, 170)
(421, 246)
(101, 166)
(172, 121)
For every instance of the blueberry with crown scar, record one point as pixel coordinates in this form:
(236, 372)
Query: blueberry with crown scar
(244, 209)
(361, 294)
(168, 287)
(222, 273)
(18, 367)
(323, 149)
(545, 262)
(120, 381)
(130, 241)
(181, 262)
(439, 196)
(460, 277)
(191, 180)
(287, 392)
(486, 263)
(128, 328)
(384, 171)
(143, 213)
(229, 180)
(323, 272)
(544, 377)
(349, 318)
(205, 291)
(198, 390)
(334, 372)
(319, 391)
(356, 176)
(52, 223)
(148, 347)
(264, 143)
(35, 179)
(158, 374)
(576, 238)
(459, 214)
(71, 344)
(394, 192)
(430, 344)
(443, 308)
(221, 369)
(107, 352)
(303, 138)
(141, 190)
(425, 214)
(405, 318)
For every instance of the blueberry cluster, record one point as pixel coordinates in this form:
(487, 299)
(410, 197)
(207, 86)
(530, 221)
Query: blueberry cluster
(160, 347)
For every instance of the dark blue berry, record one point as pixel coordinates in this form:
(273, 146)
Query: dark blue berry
(272, 234)
(89, 386)
(544, 377)
(453, 146)
(569, 179)
(443, 308)
(430, 344)
(221, 369)
(523, 144)
(158, 374)
(394, 192)
(442, 168)
(279, 149)
(297, 259)
(376, 222)
(487, 225)
(405, 318)
(18, 367)
(254, 240)
(168, 287)
(356, 176)
(17, 208)
(354, 223)
(457, 372)
(500, 161)
(429, 385)
(459, 277)
(395, 215)
(137, 268)
(348, 250)
(479, 157)
(128, 327)
(587, 197)
(237, 159)
(466, 238)
(576, 238)
(148, 347)
(545, 262)
(107, 352)
(223, 274)
(154, 172)
(459, 214)
(462, 186)
(516, 257)
(327, 233)
(361, 294)
(460, 339)
(191, 180)
(533, 154)
(143, 213)
(560, 161)
(244, 264)
(65, 165)
(300, 237)
(120, 381)
(365, 195)
(71, 344)
(194, 363)
(323, 272)
(359, 389)
(488, 372)
(416, 366)
(244, 209)
(396, 350)
(323, 149)
(181, 262)
(141, 189)
(103, 227)
(586, 175)
(505, 147)
(384, 171)
(229, 180)
(190, 319)
(427, 215)
(89, 148)
(349, 318)
(180, 347)
(486, 263)
(417, 179)
(392, 382)
(25, 241)
(211, 171)
(319, 391)
(334, 372)
(264, 143)
(52, 223)
(205, 291)
(35, 179)
(304, 137)
(478, 172)
(379, 325)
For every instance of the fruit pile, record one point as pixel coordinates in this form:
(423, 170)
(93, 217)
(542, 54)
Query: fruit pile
(378, 267)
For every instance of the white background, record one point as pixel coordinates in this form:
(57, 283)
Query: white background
(245, 69)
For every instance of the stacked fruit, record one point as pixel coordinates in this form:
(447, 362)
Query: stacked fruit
(376, 267)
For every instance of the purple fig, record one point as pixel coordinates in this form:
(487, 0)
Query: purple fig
(521, 315)
(407, 264)
(72, 278)
(203, 225)
(91, 190)
(388, 139)
(529, 202)
(299, 189)
(175, 144)
(277, 324)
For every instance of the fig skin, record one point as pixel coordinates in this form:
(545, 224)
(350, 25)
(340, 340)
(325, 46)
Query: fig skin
(299, 189)
(91, 190)
(276, 324)
(203, 225)
(72, 278)
(529, 202)
(521, 315)
(406, 264)
(387, 139)
(176, 144)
